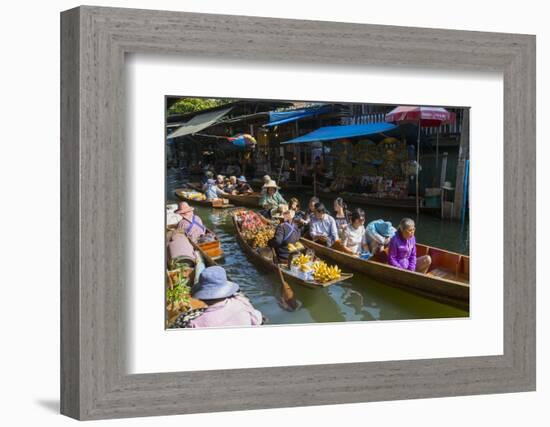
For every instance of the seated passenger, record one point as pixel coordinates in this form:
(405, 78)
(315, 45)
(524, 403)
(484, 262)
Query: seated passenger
(285, 233)
(226, 305)
(213, 192)
(340, 216)
(402, 249)
(299, 215)
(242, 186)
(323, 227)
(231, 185)
(354, 235)
(379, 234)
(190, 224)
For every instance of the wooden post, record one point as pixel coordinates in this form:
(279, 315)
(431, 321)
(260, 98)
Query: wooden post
(298, 155)
(463, 155)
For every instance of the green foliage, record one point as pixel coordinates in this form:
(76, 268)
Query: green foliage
(189, 105)
(179, 292)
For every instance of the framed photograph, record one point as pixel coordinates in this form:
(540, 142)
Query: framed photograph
(277, 213)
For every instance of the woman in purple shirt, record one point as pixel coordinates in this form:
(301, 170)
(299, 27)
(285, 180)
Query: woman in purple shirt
(402, 249)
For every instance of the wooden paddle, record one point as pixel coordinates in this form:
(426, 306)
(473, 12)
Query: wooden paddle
(288, 301)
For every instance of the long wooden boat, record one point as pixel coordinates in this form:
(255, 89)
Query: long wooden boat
(251, 200)
(447, 280)
(180, 193)
(267, 263)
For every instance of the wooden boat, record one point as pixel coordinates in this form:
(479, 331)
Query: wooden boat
(447, 279)
(251, 200)
(213, 249)
(180, 193)
(266, 261)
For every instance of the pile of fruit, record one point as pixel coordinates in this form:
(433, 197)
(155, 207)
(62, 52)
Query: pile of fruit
(295, 247)
(320, 271)
(323, 273)
(258, 237)
(249, 220)
(194, 195)
(303, 262)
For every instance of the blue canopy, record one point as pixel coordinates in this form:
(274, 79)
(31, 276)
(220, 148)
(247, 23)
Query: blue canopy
(328, 133)
(280, 117)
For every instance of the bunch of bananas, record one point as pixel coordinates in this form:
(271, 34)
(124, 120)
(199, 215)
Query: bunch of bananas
(295, 247)
(195, 195)
(261, 236)
(323, 273)
(301, 260)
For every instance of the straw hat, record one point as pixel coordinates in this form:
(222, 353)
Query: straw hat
(184, 208)
(213, 284)
(279, 212)
(271, 184)
(266, 178)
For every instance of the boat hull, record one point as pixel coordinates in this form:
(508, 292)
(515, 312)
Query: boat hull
(454, 292)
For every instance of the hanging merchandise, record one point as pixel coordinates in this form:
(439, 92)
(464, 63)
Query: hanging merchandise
(243, 141)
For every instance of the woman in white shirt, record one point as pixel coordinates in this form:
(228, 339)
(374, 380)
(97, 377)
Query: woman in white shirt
(354, 235)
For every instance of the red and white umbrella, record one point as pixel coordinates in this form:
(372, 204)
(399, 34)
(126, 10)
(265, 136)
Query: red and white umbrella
(422, 117)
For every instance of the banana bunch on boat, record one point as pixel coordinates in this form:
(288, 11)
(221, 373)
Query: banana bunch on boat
(324, 273)
(302, 262)
(194, 195)
(295, 247)
(259, 236)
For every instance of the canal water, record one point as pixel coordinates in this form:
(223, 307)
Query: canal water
(358, 299)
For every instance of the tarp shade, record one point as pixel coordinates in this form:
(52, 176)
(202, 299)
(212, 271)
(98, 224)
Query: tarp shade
(280, 117)
(199, 122)
(328, 133)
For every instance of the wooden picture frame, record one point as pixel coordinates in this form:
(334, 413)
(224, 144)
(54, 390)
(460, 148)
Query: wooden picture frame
(94, 41)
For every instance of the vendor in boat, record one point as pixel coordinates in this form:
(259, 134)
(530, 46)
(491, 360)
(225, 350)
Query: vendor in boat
(354, 235)
(265, 179)
(213, 192)
(190, 224)
(379, 234)
(242, 186)
(323, 226)
(402, 249)
(271, 199)
(285, 233)
(340, 216)
(226, 306)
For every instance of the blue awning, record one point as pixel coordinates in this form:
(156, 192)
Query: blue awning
(280, 117)
(328, 133)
